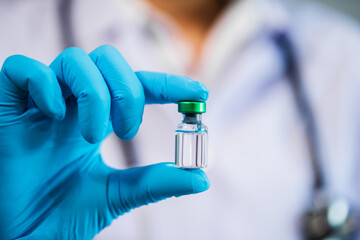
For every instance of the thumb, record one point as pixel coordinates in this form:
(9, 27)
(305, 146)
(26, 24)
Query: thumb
(132, 188)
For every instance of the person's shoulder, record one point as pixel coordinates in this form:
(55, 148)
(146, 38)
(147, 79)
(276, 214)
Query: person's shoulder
(317, 24)
(327, 43)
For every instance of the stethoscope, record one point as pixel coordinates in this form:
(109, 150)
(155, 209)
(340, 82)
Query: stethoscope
(326, 219)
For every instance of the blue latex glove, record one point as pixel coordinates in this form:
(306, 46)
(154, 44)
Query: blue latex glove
(53, 182)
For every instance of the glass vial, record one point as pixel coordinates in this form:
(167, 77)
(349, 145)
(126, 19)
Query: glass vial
(191, 136)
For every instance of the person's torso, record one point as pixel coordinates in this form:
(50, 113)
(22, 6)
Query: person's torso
(260, 169)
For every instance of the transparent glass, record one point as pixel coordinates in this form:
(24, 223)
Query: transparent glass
(191, 142)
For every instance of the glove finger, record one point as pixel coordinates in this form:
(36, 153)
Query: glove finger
(22, 76)
(127, 94)
(77, 72)
(128, 189)
(169, 88)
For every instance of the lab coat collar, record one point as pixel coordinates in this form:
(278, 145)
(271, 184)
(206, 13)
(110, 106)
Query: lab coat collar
(241, 22)
(244, 21)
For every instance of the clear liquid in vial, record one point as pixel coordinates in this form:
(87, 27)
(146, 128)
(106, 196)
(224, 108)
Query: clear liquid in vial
(191, 149)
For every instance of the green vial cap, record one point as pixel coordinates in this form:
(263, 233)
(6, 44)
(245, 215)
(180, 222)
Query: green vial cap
(191, 107)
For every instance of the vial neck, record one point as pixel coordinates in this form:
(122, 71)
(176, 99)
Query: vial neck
(192, 118)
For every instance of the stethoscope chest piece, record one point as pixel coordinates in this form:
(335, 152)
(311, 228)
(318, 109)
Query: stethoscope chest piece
(334, 221)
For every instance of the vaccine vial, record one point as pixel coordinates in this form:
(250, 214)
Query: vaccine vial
(191, 136)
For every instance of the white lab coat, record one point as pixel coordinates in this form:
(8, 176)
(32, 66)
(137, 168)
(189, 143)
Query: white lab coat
(260, 170)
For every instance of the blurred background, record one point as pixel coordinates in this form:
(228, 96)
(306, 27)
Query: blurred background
(350, 7)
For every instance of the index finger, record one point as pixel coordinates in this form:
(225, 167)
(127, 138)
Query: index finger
(169, 88)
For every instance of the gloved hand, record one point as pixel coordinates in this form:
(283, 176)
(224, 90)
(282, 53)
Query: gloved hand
(53, 182)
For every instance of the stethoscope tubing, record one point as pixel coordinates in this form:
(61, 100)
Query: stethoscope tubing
(306, 113)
